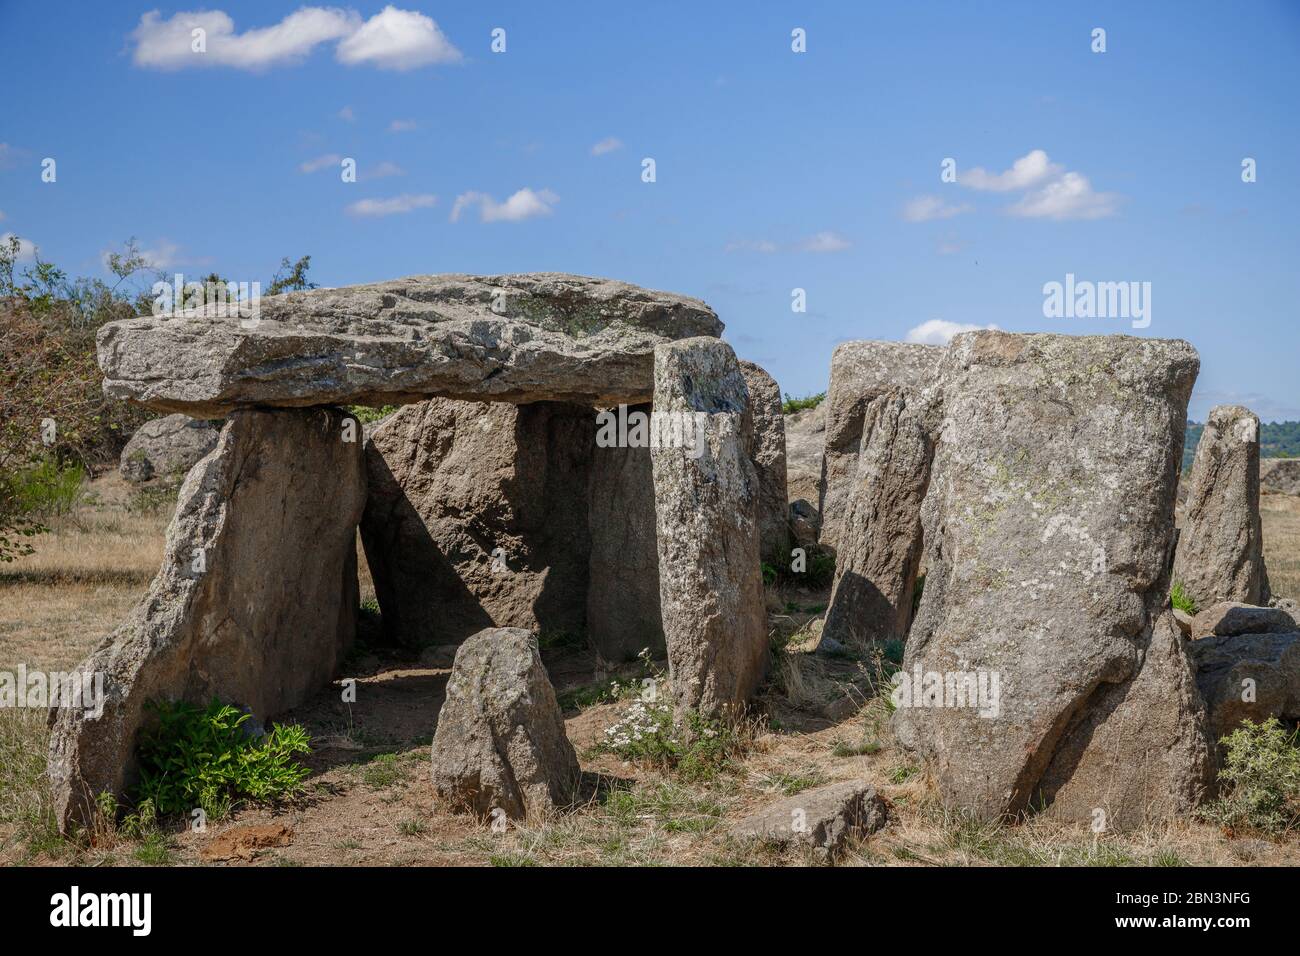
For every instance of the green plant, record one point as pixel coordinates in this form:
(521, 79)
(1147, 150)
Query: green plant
(366, 414)
(1261, 774)
(50, 488)
(696, 747)
(792, 404)
(206, 758)
(1180, 599)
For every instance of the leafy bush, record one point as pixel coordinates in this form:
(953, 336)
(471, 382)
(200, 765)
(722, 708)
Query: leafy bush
(49, 488)
(792, 404)
(1180, 599)
(1262, 774)
(366, 414)
(206, 758)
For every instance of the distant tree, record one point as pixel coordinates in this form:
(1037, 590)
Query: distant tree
(291, 277)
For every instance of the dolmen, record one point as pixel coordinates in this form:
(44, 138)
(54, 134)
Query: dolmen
(571, 455)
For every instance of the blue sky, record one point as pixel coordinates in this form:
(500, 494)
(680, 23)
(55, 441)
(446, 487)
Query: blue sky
(775, 170)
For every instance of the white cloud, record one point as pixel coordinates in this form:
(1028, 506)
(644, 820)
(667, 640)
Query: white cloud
(163, 254)
(940, 331)
(525, 204)
(1050, 192)
(607, 145)
(1029, 169)
(319, 163)
(347, 114)
(401, 126)
(168, 44)
(398, 40)
(2, 215)
(824, 242)
(1070, 197)
(391, 207)
(8, 155)
(26, 248)
(392, 40)
(926, 208)
(381, 170)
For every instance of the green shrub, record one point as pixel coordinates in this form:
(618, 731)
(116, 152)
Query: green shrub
(366, 414)
(49, 488)
(697, 748)
(1180, 599)
(206, 758)
(792, 404)
(1261, 774)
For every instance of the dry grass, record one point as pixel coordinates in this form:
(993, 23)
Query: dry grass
(370, 802)
(1280, 515)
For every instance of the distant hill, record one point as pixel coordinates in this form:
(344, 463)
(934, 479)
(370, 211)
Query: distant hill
(1276, 440)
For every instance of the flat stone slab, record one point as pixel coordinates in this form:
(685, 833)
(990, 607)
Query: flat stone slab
(509, 338)
(823, 819)
(1232, 617)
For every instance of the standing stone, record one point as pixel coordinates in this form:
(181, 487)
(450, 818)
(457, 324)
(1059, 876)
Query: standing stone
(769, 463)
(1221, 545)
(166, 448)
(805, 441)
(500, 741)
(880, 540)
(477, 517)
(1050, 525)
(860, 372)
(255, 603)
(706, 509)
(623, 616)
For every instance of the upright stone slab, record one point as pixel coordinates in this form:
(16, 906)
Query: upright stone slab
(706, 509)
(623, 611)
(500, 742)
(880, 540)
(509, 338)
(1221, 544)
(860, 372)
(1050, 525)
(477, 517)
(769, 463)
(255, 603)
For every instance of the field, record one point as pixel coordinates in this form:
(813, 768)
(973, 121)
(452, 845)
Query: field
(368, 800)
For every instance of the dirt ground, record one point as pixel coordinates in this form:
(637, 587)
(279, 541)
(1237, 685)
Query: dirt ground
(369, 801)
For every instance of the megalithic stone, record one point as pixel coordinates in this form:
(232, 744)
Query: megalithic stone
(255, 603)
(880, 541)
(1220, 553)
(509, 338)
(861, 372)
(1039, 672)
(706, 501)
(769, 463)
